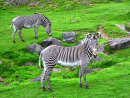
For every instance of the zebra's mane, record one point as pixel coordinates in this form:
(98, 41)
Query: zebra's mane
(89, 49)
(44, 18)
(86, 38)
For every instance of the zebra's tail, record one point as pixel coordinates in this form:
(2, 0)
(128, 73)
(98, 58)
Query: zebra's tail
(11, 25)
(40, 61)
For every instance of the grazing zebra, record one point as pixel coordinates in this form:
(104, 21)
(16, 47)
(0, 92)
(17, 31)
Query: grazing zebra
(79, 55)
(34, 20)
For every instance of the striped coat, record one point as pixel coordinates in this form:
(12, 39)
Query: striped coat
(69, 55)
(30, 21)
(79, 55)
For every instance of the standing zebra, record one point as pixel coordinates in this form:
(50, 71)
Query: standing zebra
(34, 20)
(79, 55)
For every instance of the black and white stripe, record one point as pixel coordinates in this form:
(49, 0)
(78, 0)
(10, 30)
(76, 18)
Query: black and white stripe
(30, 21)
(68, 57)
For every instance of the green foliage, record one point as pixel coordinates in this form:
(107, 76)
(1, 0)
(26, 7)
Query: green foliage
(108, 49)
(20, 74)
(20, 57)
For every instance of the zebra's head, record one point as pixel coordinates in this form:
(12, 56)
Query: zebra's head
(46, 24)
(92, 41)
(48, 29)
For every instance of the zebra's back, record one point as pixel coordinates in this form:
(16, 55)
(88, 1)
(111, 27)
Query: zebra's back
(26, 21)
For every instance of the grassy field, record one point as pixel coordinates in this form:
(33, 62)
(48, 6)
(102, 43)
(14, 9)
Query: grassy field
(109, 82)
(112, 81)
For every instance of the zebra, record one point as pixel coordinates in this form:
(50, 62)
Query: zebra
(82, 41)
(79, 55)
(30, 21)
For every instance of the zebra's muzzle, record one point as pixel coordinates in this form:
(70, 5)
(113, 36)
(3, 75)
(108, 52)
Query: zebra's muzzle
(50, 34)
(94, 53)
(95, 56)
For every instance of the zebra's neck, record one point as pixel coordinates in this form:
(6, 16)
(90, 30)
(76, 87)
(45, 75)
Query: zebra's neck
(85, 39)
(88, 48)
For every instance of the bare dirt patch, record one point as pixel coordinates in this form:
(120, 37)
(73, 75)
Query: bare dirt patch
(100, 29)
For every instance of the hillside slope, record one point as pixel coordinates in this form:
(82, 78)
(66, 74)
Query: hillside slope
(112, 81)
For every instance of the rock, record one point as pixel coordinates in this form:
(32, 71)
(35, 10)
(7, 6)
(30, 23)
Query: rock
(73, 20)
(123, 27)
(47, 0)
(100, 48)
(67, 7)
(117, 0)
(36, 4)
(7, 2)
(35, 48)
(114, 0)
(1, 80)
(18, 2)
(29, 63)
(51, 41)
(128, 32)
(92, 70)
(119, 43)
(115, 65)
(42, 6)
(73, 68)
(33, 4)
(69, 37)
(0, 62)
(129, 25)
(36, 79)
(56, 70)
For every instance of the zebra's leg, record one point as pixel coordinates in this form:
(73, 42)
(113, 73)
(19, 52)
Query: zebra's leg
(20, 35)
(80, 76)
(15, 30)
(48, 73)
(84, 76)
(42, 80)
(36, 28)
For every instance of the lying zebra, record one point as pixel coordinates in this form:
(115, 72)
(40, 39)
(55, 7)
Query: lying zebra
(34, 20)
(79, 55)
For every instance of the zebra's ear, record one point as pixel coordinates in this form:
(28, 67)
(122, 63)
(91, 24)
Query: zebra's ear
(89, 35)
(98, 35)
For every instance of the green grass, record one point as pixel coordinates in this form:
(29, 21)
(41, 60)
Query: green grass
(112, 81)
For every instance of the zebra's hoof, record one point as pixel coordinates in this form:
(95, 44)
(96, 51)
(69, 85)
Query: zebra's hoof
(81, 86)
(23, 40)
(36, 37)
(87, 87)
(44, 89)
(50, 89)
(14, 42)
